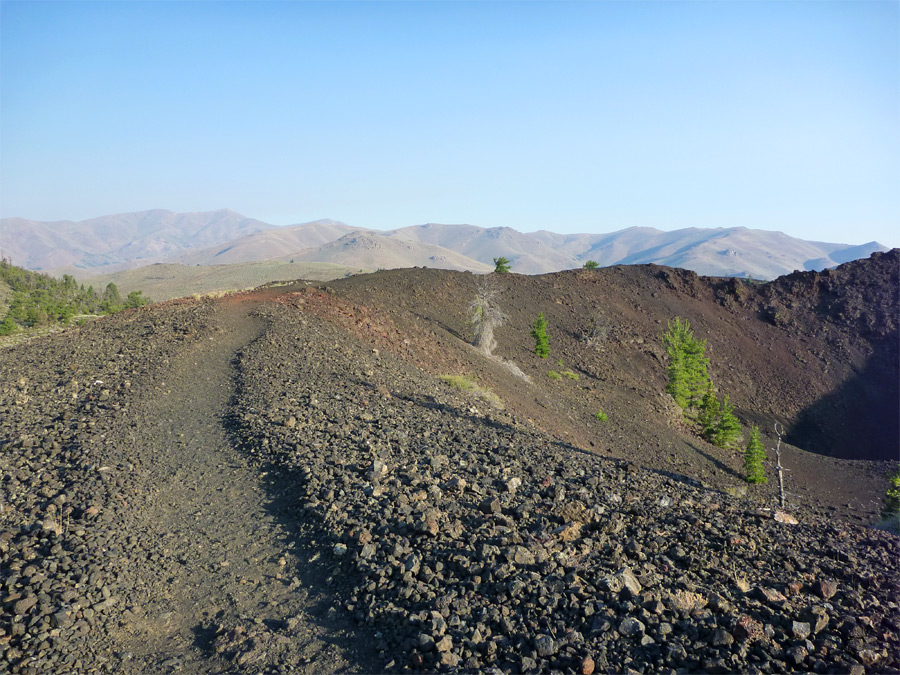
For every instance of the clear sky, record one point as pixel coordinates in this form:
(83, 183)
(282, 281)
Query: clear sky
(567, 116)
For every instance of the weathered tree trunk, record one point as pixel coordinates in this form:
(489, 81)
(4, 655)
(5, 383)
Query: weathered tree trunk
(485, 314)
(778, 467)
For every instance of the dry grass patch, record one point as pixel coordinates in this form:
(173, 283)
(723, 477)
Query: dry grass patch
(468, 384)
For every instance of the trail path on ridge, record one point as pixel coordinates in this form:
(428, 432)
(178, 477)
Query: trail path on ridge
(216, 587)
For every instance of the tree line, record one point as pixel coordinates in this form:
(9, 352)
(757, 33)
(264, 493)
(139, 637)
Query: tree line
(37, 299)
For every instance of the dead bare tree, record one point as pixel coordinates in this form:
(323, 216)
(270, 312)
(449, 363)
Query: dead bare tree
(485, 315)
(779, 430)
(595, 332)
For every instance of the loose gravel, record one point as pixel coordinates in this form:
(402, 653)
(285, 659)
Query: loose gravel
(468, 543)
(244, 486)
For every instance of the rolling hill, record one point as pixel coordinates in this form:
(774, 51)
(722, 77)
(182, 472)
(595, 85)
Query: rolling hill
(124, 238)
(390, 253)
(127, 240)
(739, 251)
(281, 243)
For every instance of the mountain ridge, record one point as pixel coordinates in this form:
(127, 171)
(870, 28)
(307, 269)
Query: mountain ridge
(113, 242)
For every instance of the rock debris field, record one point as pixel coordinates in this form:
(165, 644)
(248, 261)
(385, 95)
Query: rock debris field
(241, 486)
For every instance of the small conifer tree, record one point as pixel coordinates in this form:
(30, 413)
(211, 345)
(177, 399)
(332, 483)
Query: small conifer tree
(688, 377)
(136, 299)
(591, 265)
(501, 265)
(677, 385)
(696, 376)
(754, 455)
(728, 429)
(541, 339)
(709, 412)
(112, 301)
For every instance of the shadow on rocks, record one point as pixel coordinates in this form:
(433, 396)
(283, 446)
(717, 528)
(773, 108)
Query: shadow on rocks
(720, 465)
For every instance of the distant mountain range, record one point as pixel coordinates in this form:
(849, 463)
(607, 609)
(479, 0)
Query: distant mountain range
(145, 237)
(129, 240)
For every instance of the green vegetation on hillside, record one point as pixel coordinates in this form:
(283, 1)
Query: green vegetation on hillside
(541, 339)
(36, 299)
(692, 388)
(688, 379)
(710, 409)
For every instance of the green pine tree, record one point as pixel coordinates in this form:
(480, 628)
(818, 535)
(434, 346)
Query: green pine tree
(687, 368)
(677, 385)
(709, 412)
(754, 456)
(696, 376)
(112, 301)
(673, 341)
(136, 299)
(728, 429)
(501, 265)
(541, 339)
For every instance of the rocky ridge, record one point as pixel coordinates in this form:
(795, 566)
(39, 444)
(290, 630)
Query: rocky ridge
(466, 543)
(452, 535)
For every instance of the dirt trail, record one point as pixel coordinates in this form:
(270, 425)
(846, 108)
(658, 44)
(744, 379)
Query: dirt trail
(217, 587)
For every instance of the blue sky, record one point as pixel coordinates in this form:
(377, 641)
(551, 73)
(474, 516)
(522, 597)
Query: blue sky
(567, 116)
